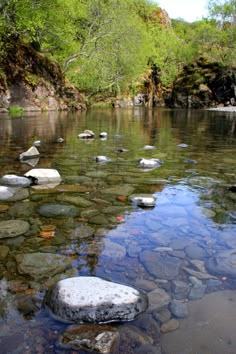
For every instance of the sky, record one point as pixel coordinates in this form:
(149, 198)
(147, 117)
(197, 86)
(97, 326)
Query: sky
(189, 10)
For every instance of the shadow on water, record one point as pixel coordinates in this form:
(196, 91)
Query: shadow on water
(166, 247)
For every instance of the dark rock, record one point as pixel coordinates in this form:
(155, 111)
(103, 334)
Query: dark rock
(57, 210)
(179, 309)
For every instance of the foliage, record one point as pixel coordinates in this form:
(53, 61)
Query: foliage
(108, 45)
(16, 111)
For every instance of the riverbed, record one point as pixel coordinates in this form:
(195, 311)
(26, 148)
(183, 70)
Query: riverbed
(172, 251)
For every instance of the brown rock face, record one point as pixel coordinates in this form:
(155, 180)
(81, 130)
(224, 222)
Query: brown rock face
(33, 81)
(203, 84)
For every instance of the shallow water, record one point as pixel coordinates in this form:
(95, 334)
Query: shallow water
(193, 218)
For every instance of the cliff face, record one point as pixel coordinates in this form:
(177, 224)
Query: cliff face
(31, 80)
(203, 84)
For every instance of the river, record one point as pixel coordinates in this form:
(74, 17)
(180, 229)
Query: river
(169, 248)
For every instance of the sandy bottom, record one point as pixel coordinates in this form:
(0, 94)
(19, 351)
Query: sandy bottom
(209, 329)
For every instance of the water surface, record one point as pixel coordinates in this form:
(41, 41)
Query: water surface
(193, 219)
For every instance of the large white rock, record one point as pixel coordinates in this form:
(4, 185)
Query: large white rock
(13, 180)
(45, 175)
(31, 153)
(143, 200)
(94, 300)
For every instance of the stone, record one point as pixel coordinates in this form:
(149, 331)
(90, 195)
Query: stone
(94, 300)
(113, 250)
(15, 181)
(4, 250)
(170, 326)
(143, 200)
(44, 175)
(76, 200)
(41, 265)
(101, 339)
(13, 228)
(101, 159)
(199, 275)
(116, 190)
(81, 232)
(13, 194)
(57, 210)
(180, 289)
(31, 153)
(87, 134)
(179, 309)
(158, 298)
(223, 263)
(161, 266)
(149, 163)
(195, 252)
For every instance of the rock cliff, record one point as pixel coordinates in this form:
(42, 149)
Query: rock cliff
(34, 82)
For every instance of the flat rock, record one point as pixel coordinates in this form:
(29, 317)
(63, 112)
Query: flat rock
(13, 228)
(44, 175)
(143, 200)
(13, 194)
(161, 266)
(57, 210)
(94, 300)
(158, 298)
(102, 339)
(31, 153)
(117, 190)
(15, 181)
(223, 263)
(41, 265)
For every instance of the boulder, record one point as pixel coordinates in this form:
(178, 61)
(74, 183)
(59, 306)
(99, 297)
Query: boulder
(101, 159)
(94, 300)
(87, 134)
(51, 210)
(16, 181)
(44, 175)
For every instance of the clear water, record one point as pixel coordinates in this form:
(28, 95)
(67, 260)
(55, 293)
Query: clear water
(194, 207)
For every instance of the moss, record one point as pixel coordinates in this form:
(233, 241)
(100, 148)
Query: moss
(16, 111)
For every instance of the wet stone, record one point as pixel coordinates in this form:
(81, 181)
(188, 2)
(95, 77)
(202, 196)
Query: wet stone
(78, 201)
(81, 232)
(223, 263)
(102, 339)
(179, 309)
(13, 194)
(180, 289)
(195, 252)
(41, 265)
(94, 300)
(13, 228)
(57, 210)
(15, 181)
(4, 250)
(114, 250)
(170, 326)
(158, 298)
(161, 266)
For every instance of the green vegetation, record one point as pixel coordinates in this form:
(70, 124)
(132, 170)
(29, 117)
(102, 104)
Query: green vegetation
(16, 111)
(108, 46)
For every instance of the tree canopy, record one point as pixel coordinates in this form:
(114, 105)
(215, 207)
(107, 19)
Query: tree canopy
(109, 45)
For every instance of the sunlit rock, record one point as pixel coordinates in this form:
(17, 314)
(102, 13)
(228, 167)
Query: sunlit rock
(87, 134)
(94, 300)
(101, 159)
(149, 147)
(143, 200)
(31, 153)
(44, 175)
(149, 163)
(37, 143)
(15, 181)
(103, 135)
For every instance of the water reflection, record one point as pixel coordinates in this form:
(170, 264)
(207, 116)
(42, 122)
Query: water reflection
(164, 247)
